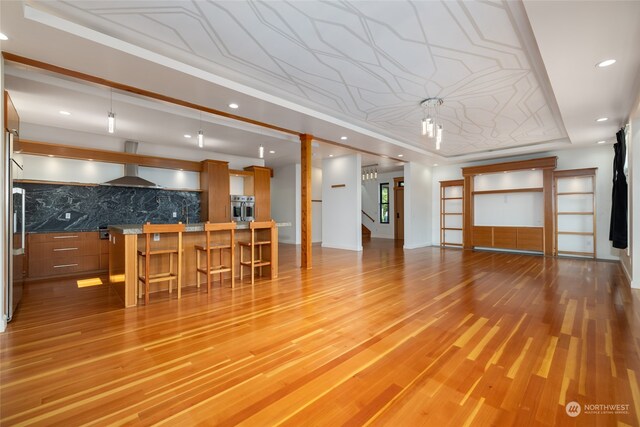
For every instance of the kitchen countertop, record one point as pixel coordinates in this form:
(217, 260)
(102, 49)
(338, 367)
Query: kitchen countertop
(199, 226)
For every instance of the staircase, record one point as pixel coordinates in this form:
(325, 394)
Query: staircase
(366, 233)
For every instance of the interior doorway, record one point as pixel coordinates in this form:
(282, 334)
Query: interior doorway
(398, 202)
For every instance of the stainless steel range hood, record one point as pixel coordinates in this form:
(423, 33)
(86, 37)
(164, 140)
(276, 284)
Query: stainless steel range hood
(131, 178)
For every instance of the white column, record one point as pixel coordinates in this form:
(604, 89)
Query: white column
(4, 232)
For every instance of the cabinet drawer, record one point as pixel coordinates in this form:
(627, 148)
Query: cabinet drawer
(61, 266)
(61, 249)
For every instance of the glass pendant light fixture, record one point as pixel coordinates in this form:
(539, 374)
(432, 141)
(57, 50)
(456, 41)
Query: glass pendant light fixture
(431, 124)
(200, 134)
(261, 152)
(111, 117)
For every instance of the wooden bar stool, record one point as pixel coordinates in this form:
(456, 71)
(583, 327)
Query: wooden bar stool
(254, 262)
(209, 248)
(146, 276)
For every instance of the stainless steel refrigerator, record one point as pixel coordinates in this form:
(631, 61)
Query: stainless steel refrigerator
(14, 221)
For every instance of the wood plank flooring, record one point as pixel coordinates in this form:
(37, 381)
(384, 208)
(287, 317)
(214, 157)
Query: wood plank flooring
(384, 337)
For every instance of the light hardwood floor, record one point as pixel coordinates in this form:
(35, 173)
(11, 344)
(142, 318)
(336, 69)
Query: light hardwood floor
(425, 337)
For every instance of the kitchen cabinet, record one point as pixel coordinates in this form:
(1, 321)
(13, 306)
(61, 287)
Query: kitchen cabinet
(260, 187)
(215, 198)
(60, 254)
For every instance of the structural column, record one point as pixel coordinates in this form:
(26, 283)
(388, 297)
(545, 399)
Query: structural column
(305, 217)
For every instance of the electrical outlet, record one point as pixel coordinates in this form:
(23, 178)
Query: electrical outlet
(67, 216)
(156, 237)
(175, 214)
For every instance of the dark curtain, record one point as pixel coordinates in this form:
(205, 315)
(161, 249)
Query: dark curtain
(618, 227)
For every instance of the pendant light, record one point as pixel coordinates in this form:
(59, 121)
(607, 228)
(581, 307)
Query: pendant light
(261, 152)
(200, 134)
(111, 117)
(431, 124)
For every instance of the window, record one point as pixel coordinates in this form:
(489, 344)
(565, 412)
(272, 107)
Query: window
(384, 203)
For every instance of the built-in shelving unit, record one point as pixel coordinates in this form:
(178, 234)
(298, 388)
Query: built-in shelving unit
(575, 212)
(451, 212)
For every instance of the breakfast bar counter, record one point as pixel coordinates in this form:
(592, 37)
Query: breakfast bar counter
(125, 240)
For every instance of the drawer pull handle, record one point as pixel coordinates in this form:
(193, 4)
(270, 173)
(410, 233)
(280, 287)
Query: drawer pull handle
(64, 265)
(65, 249)
(65, 237)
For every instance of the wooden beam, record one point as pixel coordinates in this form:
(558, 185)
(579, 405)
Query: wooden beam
(540, 163)
(305, 178)
(70, 152)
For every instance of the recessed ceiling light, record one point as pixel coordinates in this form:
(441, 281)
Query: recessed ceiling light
(601, 142)
(233, 105)
(330, 155)
(606, 63)
(50, 155)
(435, 164)
(400, 155)
(3, 37)
(602, 119)
(344, 138)
(65, 113)
(91, 160)
(272, 152)
(186, 135)
(533, 169)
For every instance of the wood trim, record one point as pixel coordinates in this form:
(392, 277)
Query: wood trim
(540, 163)
(397, 180)
(305, 178)
(360, 150)
(452, 183)
(511, 190)
(338, 186)
(10, 107)
(70, 152)
(85, 184)
(467, 209)
(253, 168)
(575, 172)
(549, 208)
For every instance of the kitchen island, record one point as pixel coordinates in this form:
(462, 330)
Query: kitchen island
(125, 240)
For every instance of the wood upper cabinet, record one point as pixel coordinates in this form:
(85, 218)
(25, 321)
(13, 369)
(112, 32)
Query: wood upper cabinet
(261, 190)
(11, 118)
(215, 198)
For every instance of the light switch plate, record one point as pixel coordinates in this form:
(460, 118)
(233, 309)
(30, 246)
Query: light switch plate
(67, 216)
(156, 237)
(175, 214)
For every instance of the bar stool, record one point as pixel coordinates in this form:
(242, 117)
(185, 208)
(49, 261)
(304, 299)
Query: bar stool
(254, 263)
(146, 276)
(209, 248)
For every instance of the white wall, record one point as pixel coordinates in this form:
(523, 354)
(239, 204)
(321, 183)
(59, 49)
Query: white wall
(417, 206)
(341, 207)
(598, 156)
(105, 142)
(285, 202)
(316, 207)
(370, 197)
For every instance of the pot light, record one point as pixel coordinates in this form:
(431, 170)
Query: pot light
(3, 37)
(233, 105)
(330, 155)
(186, 135)
(601, 142)
(272, 152)
(435, 164)
(261, 152)
(602, 119)
(400, 155)
(606, 63)
(344, 138)
(200, 139)
(65, 113)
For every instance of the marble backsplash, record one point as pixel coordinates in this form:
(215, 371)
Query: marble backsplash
(92, 206)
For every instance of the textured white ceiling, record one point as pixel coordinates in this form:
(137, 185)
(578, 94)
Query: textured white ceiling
(368, 63)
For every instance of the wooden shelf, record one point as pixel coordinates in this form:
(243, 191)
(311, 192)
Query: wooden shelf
(443, 212)
(511, 190)
(452, 198)
(575, 213)
(452, 213)
(451, 228)
(573, 193)
(576, 233)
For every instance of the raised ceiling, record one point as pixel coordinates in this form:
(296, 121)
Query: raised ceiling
(369, 63)
(361, 68)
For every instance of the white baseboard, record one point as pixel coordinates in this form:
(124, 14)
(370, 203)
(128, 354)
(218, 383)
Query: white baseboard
(3, 325)
(626, 273)
(416, 246)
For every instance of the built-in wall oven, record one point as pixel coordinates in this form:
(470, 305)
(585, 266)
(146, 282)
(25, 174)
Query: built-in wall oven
(242, 208)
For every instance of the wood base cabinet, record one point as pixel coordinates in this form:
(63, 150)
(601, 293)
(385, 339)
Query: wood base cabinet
(61, 254)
